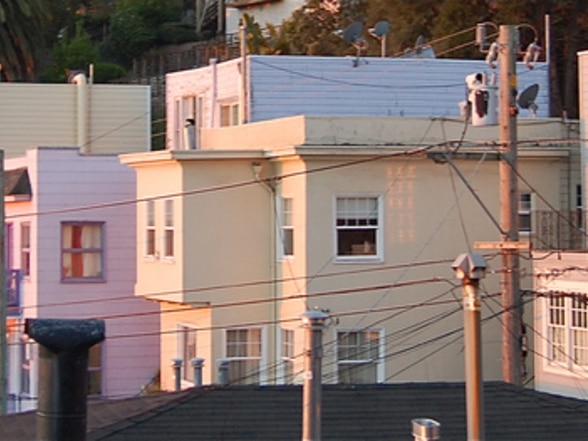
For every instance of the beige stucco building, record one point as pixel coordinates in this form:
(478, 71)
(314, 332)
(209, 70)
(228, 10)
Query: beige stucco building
(358, 216)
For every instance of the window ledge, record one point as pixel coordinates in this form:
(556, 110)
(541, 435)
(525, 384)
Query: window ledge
(359, 259)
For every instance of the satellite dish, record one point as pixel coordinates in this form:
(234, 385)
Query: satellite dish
(380, 29)
(527, 97)
(352, 34)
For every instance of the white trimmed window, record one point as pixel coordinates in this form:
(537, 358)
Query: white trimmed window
(82, 251)
(168, 231)
(95, 370)
(287, 356)
(525, 212)
(229, 114)
(286, 227)
(27, 348)
(567, 330)
(187, 352)
(25, 249)
(358, 356)
(244, 352)
(358, 227)
(150, 230)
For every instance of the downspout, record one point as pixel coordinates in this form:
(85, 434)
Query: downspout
(214, 67)
(271, 188)
(82, 112)
(244, 95)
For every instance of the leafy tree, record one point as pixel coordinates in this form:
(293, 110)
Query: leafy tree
(21, 38)
(138, 25)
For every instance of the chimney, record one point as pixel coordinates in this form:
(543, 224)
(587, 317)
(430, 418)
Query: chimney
(63, 375)
(426, 429)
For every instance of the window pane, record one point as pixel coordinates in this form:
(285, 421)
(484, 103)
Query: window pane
(351, 242)
(357, 226)
(95, 370)
(82, 251)
(357, 356)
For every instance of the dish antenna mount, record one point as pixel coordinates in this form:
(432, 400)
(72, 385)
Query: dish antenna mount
(352, 36)
(379, 31)
(526, 99)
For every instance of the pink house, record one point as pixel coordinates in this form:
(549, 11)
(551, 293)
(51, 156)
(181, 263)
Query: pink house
(70, 252)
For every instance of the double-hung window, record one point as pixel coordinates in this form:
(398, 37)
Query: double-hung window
(229, 114)
(168, 234)
(82, 251)
(567, 331)
(95, 370)
(150, 230)
(358, 356)
(525, 212)
(25, 249)
(244, 352)
(187, 351)
(287, 356)
(286, 228)
(358, 227)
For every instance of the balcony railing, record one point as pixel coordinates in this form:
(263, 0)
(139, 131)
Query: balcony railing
(562, 230)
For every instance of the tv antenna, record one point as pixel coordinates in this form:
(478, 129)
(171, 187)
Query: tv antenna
(527, 97)
(379, 31)
(352, 36)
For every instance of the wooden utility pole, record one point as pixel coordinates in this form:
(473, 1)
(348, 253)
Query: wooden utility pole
(3, 302)
(470, 268)
(509, 199)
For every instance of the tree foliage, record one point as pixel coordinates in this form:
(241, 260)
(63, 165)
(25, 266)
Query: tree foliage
(21, 38)
(448, 25)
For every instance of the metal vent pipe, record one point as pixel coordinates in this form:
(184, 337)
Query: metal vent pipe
(426, 429)
(63, 375)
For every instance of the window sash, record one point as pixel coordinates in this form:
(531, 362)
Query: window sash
(358, 354)
(25, 249)
(567, 330)
(95, 370)
(287, 356)
(524, 212)
(150, 231)
(168, 234)
(188, 337)
(244, 351)
(82, 251)
(286, 228)
(357, 226)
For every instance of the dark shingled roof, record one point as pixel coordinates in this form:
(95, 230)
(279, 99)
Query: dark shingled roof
(349, 413)
(16, 182)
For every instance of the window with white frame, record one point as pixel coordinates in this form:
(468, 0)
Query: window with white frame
(168, 232)
(244, 352)
(82, 251)
(150, 230)
(567, 330)
(358, 355)
(288, 356)
(286, 228)
(8, 245)
(525, 212)
(229, 114)
(358, 226)
(27, 347)
(25, 249)
(95, 369)
(187, 350)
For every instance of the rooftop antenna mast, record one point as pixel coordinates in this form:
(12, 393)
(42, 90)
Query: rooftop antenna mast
(379, 31)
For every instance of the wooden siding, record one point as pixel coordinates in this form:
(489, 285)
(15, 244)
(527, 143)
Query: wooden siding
(284, 86)
(46, 115)
(64, 180)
